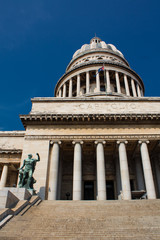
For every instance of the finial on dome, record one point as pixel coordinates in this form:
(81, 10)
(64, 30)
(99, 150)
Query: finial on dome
(95, 39)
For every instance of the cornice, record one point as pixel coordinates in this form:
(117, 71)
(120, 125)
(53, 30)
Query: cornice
(91, 99)
(10, 151)
(12, 133)
(87, 118)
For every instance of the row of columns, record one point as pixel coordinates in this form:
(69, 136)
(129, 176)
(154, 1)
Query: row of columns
(136, 91)
(101, 177)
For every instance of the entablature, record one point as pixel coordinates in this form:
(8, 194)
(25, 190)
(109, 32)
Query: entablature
(108, 137)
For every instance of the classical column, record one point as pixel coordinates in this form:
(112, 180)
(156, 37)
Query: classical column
(60, 92)
(108, 82)
(97, 81)
(87, 82)
(53, 174)
(64, 90)
(118, 178)
(101, 178)
(139, 173)
(77, 171)
(78, 84)
(4, 176)
(133, 88)
(126, 85)
(138, 90)
(70, 87)
(59, 178)
(118, 82)
(126, 190)
(157, 168)
(151, 194)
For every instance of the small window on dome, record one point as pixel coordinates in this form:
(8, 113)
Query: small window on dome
(100, 58)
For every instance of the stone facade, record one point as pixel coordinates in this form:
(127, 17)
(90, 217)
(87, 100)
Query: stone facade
(98, 138)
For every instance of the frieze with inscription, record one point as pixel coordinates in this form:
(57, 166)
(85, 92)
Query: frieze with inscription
(95, 107)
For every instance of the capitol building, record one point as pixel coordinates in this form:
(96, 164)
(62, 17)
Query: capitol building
(98, 137)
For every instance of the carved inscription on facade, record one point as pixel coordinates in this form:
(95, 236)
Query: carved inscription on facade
(107, 107)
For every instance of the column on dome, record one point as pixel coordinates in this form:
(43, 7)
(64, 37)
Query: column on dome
(97, 81)
(126, 85)
(101, 178)
(138, 90)
(126, 190)
(78, 84)
(64, 90)
(141, 93)
(87, 82)
(4, 176)
(118, 82)
(108, 82)
(133, 88)
(77, 171)
(70, 88)
(53, 174)
(60, 92)
(151, 194)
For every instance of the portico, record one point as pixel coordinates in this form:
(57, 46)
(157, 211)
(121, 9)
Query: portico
(89, 170)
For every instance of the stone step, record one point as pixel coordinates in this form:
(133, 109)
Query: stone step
(5, 220)
(87, 220)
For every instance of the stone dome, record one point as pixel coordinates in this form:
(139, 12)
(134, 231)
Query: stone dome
(95, 44)
(99, 70)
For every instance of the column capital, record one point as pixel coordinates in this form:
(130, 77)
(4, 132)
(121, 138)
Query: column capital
(143, 141)
(103, 142)
(74, 142)
(52, 142)
(122, 141)
(5, 163)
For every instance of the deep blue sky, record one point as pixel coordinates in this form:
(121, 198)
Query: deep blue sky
(39, 37)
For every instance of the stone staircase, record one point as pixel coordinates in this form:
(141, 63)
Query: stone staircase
(136, 219)
(14, 201)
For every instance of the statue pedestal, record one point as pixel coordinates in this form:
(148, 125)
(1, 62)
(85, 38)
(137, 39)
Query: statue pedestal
(20, 193)
(10, 196)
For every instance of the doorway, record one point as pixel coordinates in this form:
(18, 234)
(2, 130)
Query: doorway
(88, 190)
(110, 189)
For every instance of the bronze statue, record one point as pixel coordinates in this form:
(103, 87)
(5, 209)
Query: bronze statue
(26, 179)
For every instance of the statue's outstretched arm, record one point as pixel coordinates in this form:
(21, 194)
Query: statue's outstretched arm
(38, 157)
